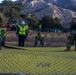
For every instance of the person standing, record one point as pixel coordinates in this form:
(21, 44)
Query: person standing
(21, 32)
(27, 27)
(39, 28)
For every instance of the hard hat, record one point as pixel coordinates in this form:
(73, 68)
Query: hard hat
(23, 23)
(9, 26)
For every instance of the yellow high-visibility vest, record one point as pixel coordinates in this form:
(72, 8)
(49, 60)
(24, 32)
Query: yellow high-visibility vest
(40, 26)
(5, 34)
(40, 37)
(26, 27)
(0, 32)
(22, 30)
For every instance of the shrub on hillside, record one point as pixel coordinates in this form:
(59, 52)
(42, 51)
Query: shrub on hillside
(49, 22)
(33, 22)
(3, 20)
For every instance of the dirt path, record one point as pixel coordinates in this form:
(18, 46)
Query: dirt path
(51, 39)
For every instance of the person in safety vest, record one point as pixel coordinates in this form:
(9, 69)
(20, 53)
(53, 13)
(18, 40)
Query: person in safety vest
(27, 27)
(3, 33)
(40, 27)
(39, 37)
(72, 36)
(22, 32)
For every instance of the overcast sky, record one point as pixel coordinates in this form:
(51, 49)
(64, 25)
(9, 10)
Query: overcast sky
(2, 0)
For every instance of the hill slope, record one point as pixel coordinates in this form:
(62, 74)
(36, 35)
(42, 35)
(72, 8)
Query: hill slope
(67, 4)
(41, 8)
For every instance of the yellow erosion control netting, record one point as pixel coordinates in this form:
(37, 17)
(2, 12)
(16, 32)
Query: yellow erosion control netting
(38, 61)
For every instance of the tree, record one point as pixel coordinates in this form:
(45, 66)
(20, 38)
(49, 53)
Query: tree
(10, 9)
(57, 23)
(47, 21)
(3, 20)
(33, 22)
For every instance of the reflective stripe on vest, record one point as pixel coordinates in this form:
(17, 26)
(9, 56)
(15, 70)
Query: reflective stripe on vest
(22, 30)
(5, 34)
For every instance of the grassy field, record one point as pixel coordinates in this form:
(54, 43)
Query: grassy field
(38, 61)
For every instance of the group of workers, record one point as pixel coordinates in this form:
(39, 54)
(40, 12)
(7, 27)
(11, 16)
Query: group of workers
(22, 33)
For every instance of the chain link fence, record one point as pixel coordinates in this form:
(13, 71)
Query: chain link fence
(37, 61)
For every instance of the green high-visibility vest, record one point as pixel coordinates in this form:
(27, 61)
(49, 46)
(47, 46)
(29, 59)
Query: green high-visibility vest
(40, 26)
(0, 32)
(22, 30)
(5, 34)
(27, 27)
(39, 37)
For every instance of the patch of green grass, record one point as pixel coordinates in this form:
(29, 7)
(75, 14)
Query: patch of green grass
(31, 60)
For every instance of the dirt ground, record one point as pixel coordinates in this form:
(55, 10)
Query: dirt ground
(50, 39)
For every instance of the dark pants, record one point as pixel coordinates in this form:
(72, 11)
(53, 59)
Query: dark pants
(40, 40)
(3, 42)
(39, 29)
(0, 42)
(21, 40)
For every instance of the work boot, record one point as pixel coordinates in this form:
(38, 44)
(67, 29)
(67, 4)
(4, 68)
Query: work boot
(35, 45)
(75, 45)
(68, 49)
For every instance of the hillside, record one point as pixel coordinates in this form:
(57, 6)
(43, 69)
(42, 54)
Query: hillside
(67, 4)
(41, 8)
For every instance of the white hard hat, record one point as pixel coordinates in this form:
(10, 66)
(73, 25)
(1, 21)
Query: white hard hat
(23, 22)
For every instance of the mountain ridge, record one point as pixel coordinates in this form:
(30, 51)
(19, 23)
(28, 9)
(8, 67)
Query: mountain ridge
(41, 8)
